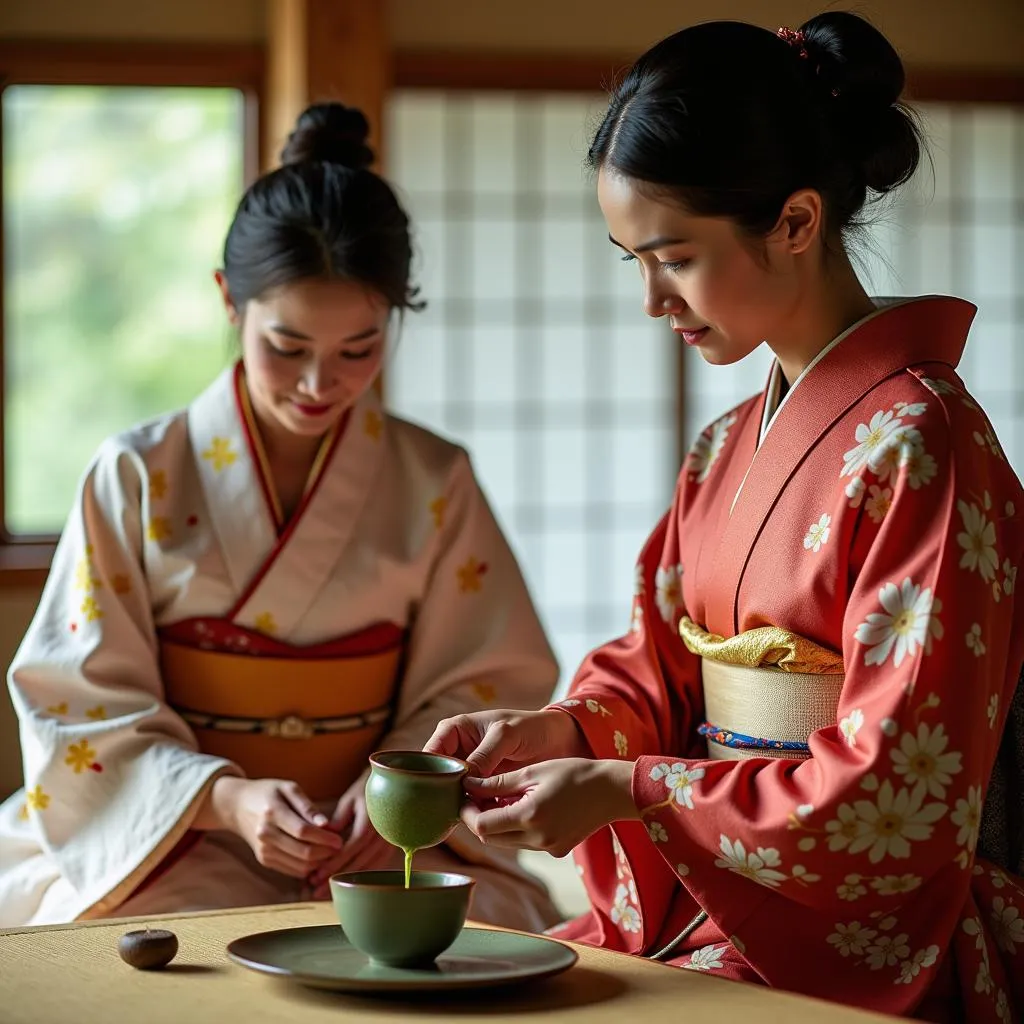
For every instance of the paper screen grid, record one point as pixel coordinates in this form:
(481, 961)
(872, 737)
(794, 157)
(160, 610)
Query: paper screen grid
(534, 352)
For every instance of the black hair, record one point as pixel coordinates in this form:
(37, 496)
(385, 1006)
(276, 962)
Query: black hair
(323, 214)
(731, 119)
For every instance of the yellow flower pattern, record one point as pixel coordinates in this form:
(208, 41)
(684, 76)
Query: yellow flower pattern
(157, 485)
(470, 575)
(159, 528)
(438, 507)
(86, 579)
(91, 610)
(220, 453)
(97, 714)
(487, 692)
(373, 425)
(36, 799)
(58, 709)
(81, 756)
(265, 623)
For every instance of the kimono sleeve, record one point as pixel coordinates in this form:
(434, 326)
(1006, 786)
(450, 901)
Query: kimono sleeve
(112, 775)
(476, 640)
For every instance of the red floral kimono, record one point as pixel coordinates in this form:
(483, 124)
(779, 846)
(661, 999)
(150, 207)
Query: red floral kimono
(872, 516)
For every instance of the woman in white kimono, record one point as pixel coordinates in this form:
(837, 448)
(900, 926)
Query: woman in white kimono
(253, 594)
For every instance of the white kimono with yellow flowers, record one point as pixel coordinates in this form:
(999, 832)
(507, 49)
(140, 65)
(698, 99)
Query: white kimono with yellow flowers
(187, 631)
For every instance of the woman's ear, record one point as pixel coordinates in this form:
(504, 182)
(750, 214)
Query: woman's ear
(234, 318)
(800, 222)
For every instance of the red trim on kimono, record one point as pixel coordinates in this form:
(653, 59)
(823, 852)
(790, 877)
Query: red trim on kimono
(220, 634)
(323, 460)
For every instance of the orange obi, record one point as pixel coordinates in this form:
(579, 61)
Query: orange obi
(312, 715)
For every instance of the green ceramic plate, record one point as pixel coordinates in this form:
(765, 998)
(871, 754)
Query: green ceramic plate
(322, 958)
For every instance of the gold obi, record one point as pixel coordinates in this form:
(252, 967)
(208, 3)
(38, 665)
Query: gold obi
(765, 691)
(314, 721)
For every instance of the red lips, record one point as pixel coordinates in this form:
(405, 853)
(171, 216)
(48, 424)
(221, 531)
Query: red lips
(312, 410)
(691, 337)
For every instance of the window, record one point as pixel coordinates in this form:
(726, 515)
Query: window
(116, 200)
(959, 233)
(533, 351)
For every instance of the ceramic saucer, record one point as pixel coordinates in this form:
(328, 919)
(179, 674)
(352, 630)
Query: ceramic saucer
(322, 957)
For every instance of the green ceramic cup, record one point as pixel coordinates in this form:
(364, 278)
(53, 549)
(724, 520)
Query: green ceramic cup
(413, 799)
(400, 927)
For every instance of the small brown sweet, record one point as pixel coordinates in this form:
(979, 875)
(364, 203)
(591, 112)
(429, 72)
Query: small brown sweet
(148, 950)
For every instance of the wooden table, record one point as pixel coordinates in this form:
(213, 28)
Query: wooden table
(72, 974)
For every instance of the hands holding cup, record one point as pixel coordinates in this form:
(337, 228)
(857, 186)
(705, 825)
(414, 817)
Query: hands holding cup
(534, 785)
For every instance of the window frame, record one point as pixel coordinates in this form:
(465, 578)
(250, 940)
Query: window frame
(25, 559)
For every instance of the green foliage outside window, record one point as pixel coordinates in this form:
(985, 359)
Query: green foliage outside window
(116, 201)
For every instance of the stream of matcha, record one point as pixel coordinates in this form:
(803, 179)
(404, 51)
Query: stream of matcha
(408, 866)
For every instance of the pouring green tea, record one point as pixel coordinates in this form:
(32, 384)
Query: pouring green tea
(413, 799)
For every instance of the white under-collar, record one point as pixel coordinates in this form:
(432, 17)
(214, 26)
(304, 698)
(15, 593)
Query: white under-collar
(772, 405)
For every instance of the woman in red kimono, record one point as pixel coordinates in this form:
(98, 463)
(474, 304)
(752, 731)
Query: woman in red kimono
(780, 774)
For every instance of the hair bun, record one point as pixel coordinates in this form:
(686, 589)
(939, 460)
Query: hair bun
(862, 79)
(332, 133)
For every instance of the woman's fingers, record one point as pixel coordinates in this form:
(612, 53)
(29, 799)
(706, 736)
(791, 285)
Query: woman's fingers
(280, 857)
(300, 804)
(299, 826)
(454, 737)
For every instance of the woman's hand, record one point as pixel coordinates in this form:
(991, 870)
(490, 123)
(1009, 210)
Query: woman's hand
(362, 849)
(551, 806)
(490, 740)
(279, 822)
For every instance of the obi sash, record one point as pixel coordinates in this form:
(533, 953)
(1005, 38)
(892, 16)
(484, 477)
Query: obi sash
(765, 691)
(312, 715)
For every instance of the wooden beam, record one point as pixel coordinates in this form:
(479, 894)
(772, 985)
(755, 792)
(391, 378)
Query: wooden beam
(285, 93)
(954, 85)
(322, 50)
(554, 72)
(51, 62)
(350, 58)
(519, 72)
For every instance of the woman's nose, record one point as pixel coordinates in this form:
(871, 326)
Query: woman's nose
(318, 379)
(658, 304)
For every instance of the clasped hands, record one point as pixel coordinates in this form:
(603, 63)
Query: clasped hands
(288, 833)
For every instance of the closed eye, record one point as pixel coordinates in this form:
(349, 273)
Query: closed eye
(674, 265)
(284, 353)
(670, 265)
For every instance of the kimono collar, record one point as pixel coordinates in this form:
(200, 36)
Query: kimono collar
(932, 329)
(278, 569)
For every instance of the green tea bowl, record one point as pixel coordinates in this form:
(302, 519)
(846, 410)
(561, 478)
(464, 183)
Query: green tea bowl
(400, 927)
(413, 799)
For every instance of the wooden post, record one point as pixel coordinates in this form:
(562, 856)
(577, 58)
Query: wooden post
(325, 50)
(285, 93)
(321, 50)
